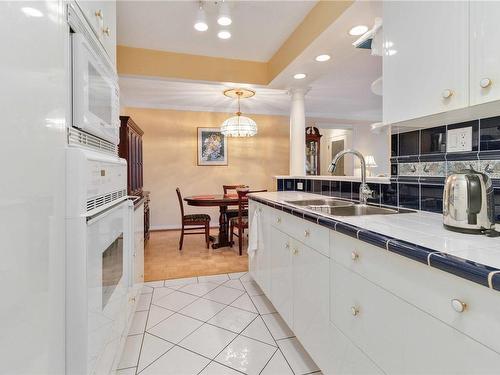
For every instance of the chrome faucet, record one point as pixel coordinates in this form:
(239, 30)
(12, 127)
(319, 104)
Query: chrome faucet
(364, 190)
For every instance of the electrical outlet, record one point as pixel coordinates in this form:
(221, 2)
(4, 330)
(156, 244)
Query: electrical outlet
(459, 139)
(300, 186)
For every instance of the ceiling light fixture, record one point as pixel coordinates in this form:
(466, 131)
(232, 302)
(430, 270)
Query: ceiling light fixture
(224, 34)
(239, 126)
(201, 19)
(358, 30)
(299, 76)
(322, 58)
(31, 12)
(224, 16)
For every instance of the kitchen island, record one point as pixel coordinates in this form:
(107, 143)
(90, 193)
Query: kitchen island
(379, 293)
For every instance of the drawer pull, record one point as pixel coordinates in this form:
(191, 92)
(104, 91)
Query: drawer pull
(278, 220)
(295, 251)
(306, 233)
(354, 310)
(106, 31)
(354, 256)
(485, 82)
(98, 13)
(132, 299)
(287, 245)
(458, 305)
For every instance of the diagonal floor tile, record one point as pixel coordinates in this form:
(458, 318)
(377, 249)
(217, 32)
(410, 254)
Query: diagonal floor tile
(156, 315)
(202, 309)
(218, 279)
(127, 371)
(175, 328)
(244, 302)
(279, 329)
(177, 361)
(300, 362)
(152, 349)
(199, 289)
(233, 319)
(146, 289)
(176, 301)
(234, 283)
(264, 306)
(144, 302)
(252, 288)
(154, 284)
(223, 294)
(138, 325)
(130, 354)
(215, 368)
(277, 366)
(178, 282)
(257, 330)
(246, 355)
(160, 293)
(236, 275)
(208, 340)
(246, 277)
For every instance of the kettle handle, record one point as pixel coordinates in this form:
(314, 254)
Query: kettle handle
(474, 198)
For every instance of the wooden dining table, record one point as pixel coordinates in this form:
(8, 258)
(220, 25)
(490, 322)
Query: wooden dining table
(223, 201)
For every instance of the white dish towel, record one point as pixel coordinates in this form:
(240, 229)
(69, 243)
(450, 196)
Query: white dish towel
(255, 234)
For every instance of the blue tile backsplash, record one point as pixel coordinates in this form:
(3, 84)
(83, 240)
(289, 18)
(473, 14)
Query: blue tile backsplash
(419, 166)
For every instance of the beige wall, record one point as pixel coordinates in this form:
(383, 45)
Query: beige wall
(170, 159)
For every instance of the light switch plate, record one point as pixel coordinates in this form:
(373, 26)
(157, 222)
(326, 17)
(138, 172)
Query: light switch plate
(300, 186)
(459, 139)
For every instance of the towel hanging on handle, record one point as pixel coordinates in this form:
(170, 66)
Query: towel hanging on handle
(255, 234)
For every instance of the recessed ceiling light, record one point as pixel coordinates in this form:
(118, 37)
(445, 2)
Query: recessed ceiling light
(201, 26)
(358, 30)
(299, 76)
(224, 21)
(31, 12)
(322, 58)
(224, 34)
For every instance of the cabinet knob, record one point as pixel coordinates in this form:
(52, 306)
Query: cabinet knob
(307, 233)
(458, 305)
(98, 13)
(132, 299)
(260, 209)
(485, 82)
(446, 94)
(106, 31)
(354, 310)
(295, 251)
(287, 245)
(278, 220)
(354, 255)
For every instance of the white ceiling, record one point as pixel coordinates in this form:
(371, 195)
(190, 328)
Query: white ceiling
(259, 28)
(338, 89)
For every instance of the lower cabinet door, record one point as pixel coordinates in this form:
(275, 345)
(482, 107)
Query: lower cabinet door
(139, 246)
(397, 336)
(310, 300)
(281, 274)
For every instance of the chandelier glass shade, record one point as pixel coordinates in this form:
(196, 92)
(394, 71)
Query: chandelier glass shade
(239, 126)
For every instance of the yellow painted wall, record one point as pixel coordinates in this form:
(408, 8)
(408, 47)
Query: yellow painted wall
(170, 142)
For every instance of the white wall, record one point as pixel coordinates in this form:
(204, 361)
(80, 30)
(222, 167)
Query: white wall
(32, 204)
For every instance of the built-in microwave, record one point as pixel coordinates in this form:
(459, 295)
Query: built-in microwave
(95, 92)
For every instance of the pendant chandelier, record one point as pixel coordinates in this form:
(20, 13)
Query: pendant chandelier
(239, 126)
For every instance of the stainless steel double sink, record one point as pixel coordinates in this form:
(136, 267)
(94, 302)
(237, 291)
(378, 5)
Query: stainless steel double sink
(338, 207)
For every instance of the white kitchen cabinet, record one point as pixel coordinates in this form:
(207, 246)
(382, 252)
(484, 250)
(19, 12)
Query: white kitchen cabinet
(310, 283)
(426, 58)
(399, 337)
(101, 16)
(484, 52)
(281, 274)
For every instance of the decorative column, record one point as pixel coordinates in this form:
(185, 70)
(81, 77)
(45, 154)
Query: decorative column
(297, 133)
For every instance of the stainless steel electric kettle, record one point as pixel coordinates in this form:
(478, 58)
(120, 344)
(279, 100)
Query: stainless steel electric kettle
(468, 202)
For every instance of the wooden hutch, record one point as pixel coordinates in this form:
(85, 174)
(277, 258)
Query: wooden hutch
(130, 148)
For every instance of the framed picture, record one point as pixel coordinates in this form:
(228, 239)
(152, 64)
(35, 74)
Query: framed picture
(212, 147)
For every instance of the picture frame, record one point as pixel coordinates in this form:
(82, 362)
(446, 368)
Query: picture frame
(212, 147)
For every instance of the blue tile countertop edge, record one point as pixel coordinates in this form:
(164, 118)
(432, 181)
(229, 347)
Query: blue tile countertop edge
(464, 268)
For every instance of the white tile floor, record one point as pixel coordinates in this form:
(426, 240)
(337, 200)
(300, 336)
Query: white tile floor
(211, 325)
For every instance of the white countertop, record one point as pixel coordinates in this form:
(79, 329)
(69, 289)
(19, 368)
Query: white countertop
(421, 228)
(375, 180)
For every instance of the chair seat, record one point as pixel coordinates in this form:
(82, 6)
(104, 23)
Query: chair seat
(196, 217)
(244, 221)
(233, 212)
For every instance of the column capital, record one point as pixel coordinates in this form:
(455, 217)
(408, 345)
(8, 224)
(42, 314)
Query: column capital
(298, 91)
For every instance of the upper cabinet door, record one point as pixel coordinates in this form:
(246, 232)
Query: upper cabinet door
(484, 51)
(426, 54)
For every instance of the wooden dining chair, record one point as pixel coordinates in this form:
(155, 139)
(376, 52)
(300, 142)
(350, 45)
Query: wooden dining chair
(231, 212)
(193, 222)
(241, 221)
